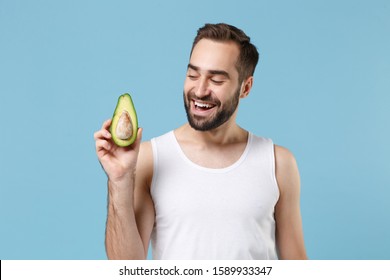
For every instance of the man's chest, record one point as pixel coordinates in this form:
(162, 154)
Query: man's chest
(214, 157)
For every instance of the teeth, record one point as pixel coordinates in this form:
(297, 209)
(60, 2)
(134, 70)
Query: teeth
(203, 105)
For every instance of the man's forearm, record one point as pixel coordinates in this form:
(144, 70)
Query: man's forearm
(123, 240)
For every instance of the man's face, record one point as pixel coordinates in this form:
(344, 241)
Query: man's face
(211, 89)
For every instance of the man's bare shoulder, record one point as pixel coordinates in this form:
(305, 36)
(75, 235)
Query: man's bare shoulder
(284, 155)
(146, 149)
(286, 168)
(144, 169)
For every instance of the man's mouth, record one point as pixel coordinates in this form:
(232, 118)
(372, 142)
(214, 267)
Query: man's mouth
(203, 106)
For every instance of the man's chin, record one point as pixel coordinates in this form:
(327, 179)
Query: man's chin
(198, 127)
(204, 126)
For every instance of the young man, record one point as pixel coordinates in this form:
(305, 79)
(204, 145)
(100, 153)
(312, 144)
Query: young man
(208, 189)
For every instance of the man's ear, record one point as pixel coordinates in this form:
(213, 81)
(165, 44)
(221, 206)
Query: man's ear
(246, 87)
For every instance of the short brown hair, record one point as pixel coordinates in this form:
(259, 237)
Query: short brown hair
(222, 32)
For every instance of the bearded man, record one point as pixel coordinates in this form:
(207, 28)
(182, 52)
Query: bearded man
(208, 189)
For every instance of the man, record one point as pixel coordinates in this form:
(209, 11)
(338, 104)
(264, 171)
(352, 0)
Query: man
(208, 189)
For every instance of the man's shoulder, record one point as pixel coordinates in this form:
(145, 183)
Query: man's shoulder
(145, 165)
(146, 148)
(160, 137)
(260, 137)
(283, 155)
(145, 157)
(286, 168)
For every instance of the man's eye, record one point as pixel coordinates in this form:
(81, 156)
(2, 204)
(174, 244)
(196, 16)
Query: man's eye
(192, 77)
(217, 82)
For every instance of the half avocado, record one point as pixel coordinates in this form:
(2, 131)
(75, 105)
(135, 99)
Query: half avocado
(124, 125)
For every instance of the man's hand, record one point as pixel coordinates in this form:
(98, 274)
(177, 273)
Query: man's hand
(118, 162)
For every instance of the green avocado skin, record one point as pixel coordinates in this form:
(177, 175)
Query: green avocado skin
(125, 102)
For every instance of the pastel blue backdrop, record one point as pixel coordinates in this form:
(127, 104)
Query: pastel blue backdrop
(322, 89)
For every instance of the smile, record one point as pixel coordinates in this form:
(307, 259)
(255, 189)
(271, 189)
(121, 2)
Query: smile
(202, 105)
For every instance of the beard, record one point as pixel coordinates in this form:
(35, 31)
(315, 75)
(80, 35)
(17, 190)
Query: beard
(222, 114)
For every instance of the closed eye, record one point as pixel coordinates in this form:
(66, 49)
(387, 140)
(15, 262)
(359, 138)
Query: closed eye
(217, 82)
(192, 77)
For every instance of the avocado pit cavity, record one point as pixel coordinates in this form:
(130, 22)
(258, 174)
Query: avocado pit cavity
(124, 128)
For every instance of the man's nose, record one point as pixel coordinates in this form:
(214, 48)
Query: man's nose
(202, 89)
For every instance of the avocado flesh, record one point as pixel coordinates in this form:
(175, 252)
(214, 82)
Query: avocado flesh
(124, 125)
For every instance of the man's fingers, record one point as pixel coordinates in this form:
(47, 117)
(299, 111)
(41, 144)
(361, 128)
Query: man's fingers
(106, 124)
(104, 132)
(103, 145)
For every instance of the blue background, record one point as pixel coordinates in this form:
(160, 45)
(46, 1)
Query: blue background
(321, 89)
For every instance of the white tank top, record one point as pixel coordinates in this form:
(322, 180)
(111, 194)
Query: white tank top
(205, 213)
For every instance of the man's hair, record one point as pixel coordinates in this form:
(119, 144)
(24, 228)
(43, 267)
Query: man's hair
(222, 32)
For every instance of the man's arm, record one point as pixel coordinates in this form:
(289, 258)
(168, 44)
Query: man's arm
(289, 233)
(130, 216)
(143, 204)
(131, 212)
(123, 240)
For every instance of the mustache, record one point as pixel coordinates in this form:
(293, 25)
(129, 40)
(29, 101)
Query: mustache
(208, 98)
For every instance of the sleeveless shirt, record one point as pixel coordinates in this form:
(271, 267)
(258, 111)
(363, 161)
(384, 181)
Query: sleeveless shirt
(206, 213)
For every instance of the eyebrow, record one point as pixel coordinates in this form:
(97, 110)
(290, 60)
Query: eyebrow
(213, 72)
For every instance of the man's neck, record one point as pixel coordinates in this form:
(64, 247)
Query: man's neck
(223, 135)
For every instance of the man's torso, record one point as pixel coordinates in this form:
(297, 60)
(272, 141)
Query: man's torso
(213, 213)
